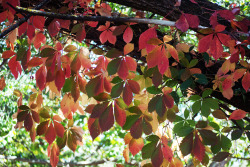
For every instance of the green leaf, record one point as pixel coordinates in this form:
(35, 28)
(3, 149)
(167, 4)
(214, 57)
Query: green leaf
(116, 80)
(207, 92)
(113, 66)
(236, 134)
(186, 113)
(205, 109)
(212, 103)
(206, 57)
(47, 52)
(130, 120)
(117, 90)
(193, 63)
(153, 138)
(186, 84)
(175, 96)
(148, 149)
(215, 126)
(209, 137)
(201, 79)
(196, 107)
(113, 53)
(154, 90)
(187, 144)
(226, 143)
(182, 129)
(194, 97)
(152, 103)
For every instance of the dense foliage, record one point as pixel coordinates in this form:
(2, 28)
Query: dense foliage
(173, 92)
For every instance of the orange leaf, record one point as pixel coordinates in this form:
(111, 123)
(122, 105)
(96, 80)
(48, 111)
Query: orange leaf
(35, 61)
(228, 93)
(129, 47)
(135, 146)
(50, 134)
(54, 154)
(2, 83)
(237, 114)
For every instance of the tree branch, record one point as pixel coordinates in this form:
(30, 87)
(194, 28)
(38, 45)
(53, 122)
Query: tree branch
(95, 18)
(23, 20)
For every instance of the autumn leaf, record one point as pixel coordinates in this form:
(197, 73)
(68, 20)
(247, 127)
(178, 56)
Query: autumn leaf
(2, 83)
(237, 114)
(198, 148)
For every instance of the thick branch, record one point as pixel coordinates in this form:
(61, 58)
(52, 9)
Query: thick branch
(95, 18)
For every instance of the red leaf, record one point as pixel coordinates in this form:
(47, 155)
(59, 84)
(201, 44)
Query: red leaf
(39, 39)
(224, 38)
(246, 81)
(168, 100)
(131, 63)
(135, 146)
(54, 28)
(15, 67)
(50, 134)
(128, 35)
(136, 129)
(204, 43)
(22, 28)
(216, 48)
(31, 32)
(134, 86)
(35, 61)
(227, 14)
(38, 21)
(144, 37)
(227, 83)
(182, 23)
(60, 79)
(64, 23)
(7, 54)
(237, 114)
(35, 116)
(120, 115)
(157, 156)
(198, 148)
(94, 128)
(106, 120)
(3, 16)
(127, 95)
(193, 20)
(219, 28)
(193, 1)
(28, 122)
(59, 129)
(123, 69)
(54, 155)
(41, 78)
(167, 152)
